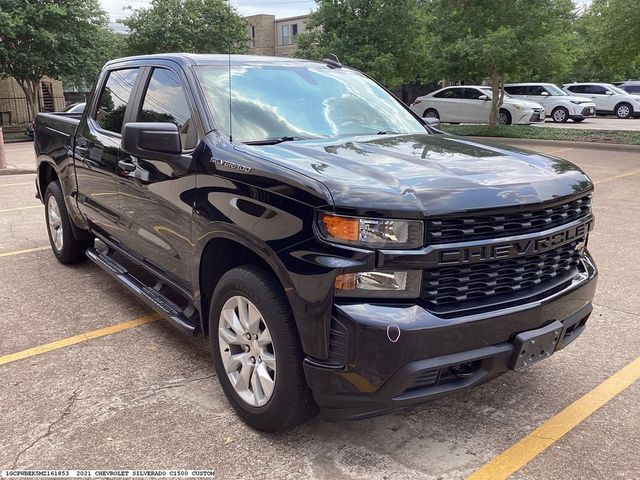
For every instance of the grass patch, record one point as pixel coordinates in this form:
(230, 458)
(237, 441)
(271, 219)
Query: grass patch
(622, 137)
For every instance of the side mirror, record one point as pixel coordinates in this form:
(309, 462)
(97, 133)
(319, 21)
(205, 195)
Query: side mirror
(483, 97)
(433, 122)
(544, 94)
(152, 141)
(609, 92)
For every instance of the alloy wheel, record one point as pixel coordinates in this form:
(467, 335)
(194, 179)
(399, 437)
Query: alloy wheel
(247, 351)
(560, 115)
(55, 223)
(623, 111)
(503, 119)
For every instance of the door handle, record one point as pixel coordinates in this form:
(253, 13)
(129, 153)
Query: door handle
(127, 166)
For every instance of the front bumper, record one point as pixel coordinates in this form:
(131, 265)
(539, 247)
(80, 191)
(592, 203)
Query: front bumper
(391, 356)
(583, 112)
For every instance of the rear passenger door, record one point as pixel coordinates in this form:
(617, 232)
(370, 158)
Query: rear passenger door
(97, 149)
(448, 102)
(598, 94)
(156, 197)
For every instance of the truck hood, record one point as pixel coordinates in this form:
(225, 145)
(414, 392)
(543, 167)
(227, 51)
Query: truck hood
(423, 174)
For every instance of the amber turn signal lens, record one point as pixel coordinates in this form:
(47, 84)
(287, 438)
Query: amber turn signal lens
(346, 282)
(341, 228)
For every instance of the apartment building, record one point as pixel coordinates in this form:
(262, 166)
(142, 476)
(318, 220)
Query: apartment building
(271, 36)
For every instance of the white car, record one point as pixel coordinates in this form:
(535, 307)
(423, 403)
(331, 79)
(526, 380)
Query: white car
(559, 104)
(472, 104)
(608, 98)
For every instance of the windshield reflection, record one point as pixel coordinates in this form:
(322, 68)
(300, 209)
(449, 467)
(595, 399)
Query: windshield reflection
(306, 101)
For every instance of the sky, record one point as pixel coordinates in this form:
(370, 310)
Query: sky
(281, 8)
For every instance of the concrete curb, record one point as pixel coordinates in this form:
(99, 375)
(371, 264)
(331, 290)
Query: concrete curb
(15, 171)
(560, 143)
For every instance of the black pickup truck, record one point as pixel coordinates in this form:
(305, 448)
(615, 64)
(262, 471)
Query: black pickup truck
(338, 251)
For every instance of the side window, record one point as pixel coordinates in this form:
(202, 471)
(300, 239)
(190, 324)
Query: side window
(535, 90)
(596, 90)
(632, 88)
(576, 89)
(515, 90)
(472, 93)
(450, 93)
(165, 101)
(114, 99)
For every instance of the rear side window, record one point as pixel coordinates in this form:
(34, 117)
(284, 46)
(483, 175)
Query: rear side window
(114, 99)
(535, 90)
(515, 90)
(576, 88)
(450, 93)
(165, 101)
(632, 88)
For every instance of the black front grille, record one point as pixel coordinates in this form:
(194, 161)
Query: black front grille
(466, 285)
(469, 227)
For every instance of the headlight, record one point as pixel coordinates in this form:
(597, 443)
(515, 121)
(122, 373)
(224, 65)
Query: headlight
(379, 284)
(577, 102)
(371, 232)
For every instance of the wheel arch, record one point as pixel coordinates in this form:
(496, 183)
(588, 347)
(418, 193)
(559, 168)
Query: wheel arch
(47, 173)
(214, 260)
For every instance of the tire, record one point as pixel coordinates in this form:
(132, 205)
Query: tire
(290, 401)
(578, 120)
(624, 110)
(65, 246)
(431, 113)
(560, 115)
(504, 117)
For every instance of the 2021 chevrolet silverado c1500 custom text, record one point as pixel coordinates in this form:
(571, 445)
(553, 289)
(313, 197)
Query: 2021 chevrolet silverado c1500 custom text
(337, 250)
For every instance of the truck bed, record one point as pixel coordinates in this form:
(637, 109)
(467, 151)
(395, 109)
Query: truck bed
(54, 132)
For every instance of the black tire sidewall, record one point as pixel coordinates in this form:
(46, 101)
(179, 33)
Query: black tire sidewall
(630, 110)
(566, 115)
(424, 115)
(66, 254)
(508, 116)
(285, 402)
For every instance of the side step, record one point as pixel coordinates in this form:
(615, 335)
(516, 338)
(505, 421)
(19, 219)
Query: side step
(149, 295)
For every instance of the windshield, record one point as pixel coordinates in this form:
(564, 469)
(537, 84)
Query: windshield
(618, 90)
(279, 101)
(555, 91)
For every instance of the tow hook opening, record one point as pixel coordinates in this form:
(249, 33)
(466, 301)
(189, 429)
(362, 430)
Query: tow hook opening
(465, 370)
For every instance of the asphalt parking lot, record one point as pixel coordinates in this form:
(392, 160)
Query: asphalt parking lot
(608, 122)
(142, 395)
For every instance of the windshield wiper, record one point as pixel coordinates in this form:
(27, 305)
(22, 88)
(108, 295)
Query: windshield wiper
(387, 132)
(274, 141)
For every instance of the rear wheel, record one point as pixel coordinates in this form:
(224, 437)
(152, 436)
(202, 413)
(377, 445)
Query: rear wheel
(504, 117)
(624, 110)
(257, 352)
(560, 114)
(431, 113)
(65, 246)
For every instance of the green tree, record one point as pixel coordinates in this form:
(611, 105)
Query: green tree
(195, 26)
(384, 39)
(500, 40)
(608, 41)
(48, 38)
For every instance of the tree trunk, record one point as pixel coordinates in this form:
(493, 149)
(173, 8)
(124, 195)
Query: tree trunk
(497, 96)
(30, 89)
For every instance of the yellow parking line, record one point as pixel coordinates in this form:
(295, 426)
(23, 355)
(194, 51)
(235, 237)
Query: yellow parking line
(552, 152)
(616, 177)
(19, 208)
(83, 337)
(517, 456)
(20, 252)
(15, 184)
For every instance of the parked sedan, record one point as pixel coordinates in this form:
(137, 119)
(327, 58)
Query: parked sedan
(472, 104)
(559, 103)
(608, 98)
